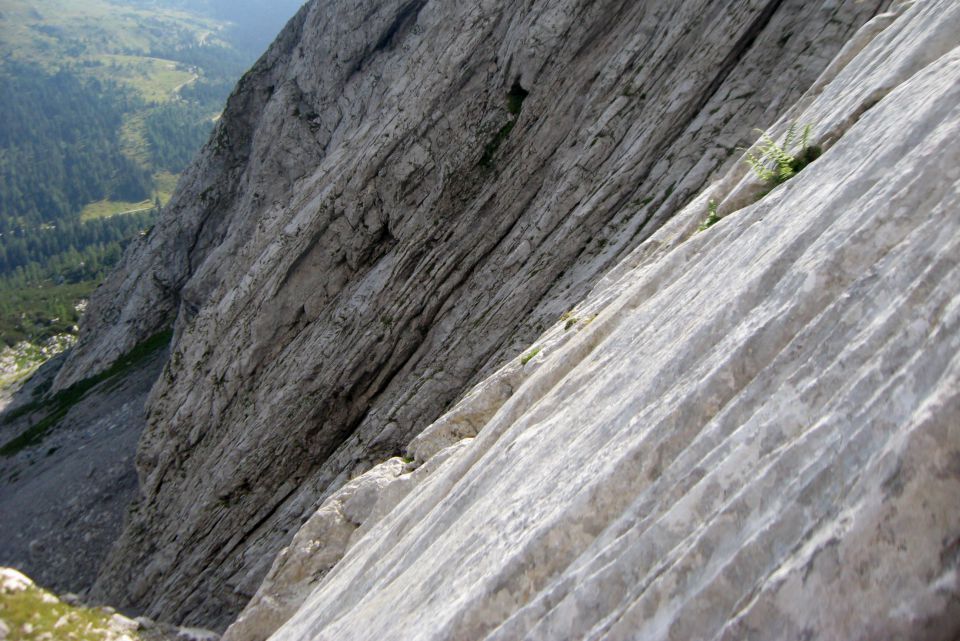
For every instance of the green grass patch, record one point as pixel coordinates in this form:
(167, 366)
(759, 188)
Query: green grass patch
(27, 356)
(34, 615)
(133, 138)
(529, 356)
(61, 402)
(164, 183)
(155, 79)
(108, 208)
(57, 29)
(35, 312)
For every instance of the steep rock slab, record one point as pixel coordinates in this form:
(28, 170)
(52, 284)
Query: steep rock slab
(757, 437)
(380, 219)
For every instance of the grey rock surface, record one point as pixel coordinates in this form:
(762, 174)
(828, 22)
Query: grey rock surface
(378, 223)
(318, 545)
(755, 436)
(63, 501)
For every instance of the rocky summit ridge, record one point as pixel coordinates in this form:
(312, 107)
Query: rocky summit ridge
(748, 431)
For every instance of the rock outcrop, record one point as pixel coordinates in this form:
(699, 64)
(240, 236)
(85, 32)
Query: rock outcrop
(746, 432)
(400, 196)
(319, 544)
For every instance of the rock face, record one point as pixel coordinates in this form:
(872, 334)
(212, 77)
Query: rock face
(400, 196)
(747, 432)
(315, 549)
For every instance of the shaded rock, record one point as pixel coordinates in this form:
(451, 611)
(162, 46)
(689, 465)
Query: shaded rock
(124, 624)
(63, 499)
(317, 547)
(322, 541)
(196, 634)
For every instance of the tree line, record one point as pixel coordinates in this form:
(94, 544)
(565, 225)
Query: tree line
(19, 248)
(45, 271)
(60, 145)
(174, 131)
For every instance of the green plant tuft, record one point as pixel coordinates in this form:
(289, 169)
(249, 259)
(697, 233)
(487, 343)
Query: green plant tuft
(712, 217)
(775, 163)
(526, 358)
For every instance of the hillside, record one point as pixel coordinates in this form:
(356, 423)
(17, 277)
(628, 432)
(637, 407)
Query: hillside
(117, 62)
(105, 103)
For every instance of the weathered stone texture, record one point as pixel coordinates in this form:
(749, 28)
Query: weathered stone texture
(755, 436)
(365, 237)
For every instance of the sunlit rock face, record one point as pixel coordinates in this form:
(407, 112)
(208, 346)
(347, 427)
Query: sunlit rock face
(399, 198)
(748, 432)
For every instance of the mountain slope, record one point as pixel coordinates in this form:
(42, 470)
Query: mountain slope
(399, 198)
(757, 436)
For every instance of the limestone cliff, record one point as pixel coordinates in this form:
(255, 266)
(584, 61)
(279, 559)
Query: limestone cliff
(400, 197)
(751, 431)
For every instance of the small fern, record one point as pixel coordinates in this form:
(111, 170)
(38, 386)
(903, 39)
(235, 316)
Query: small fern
(712, 217)
(775, 163)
